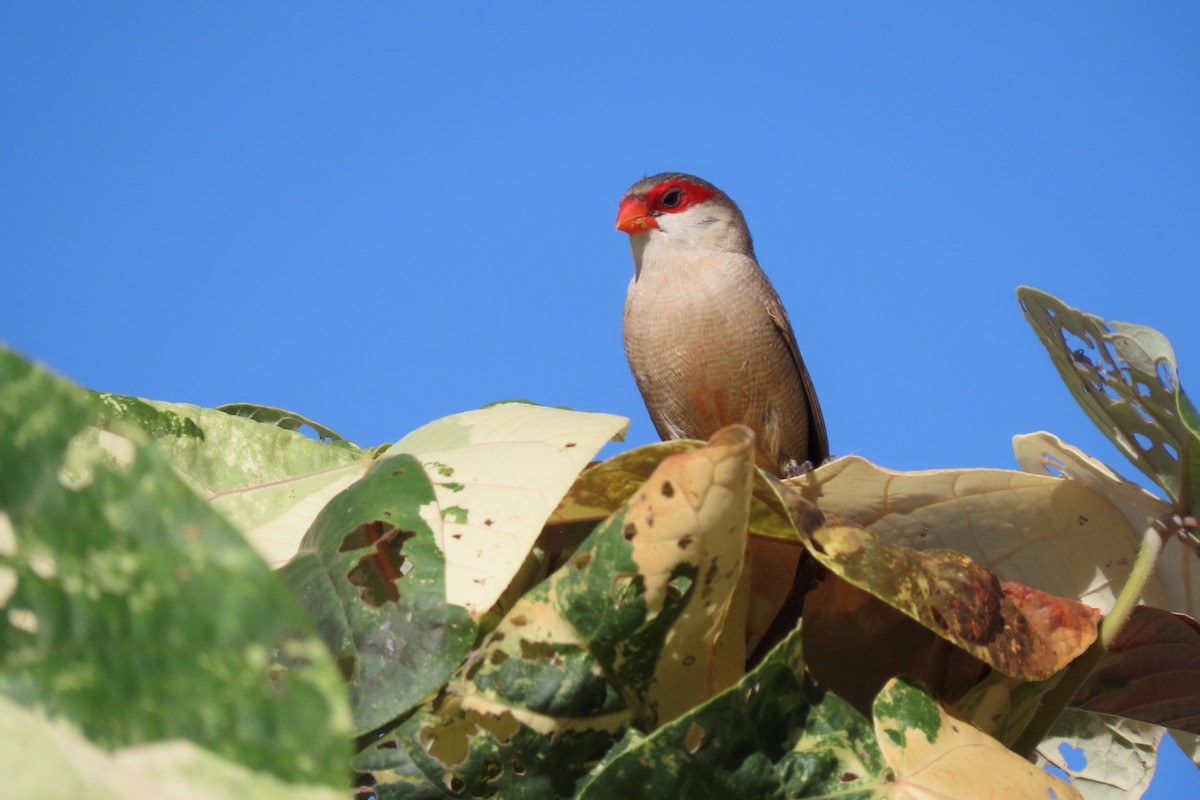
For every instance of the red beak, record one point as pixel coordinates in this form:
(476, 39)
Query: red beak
(634, 216)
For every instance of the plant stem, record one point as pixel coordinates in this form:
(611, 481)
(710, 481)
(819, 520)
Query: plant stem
(1058, 698)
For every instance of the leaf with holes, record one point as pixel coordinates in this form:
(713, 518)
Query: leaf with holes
(774, 734)
(602, 489)
(288, 420)
(1058, 536)
(498, 473)
(640, 626)
(935, 755)
(135, 612)
(650, 601)
(774, 547)
(373, 579)
(1125, 377)
(1176, 581)
(1106, 757)
(1017, 630)
(267, 479)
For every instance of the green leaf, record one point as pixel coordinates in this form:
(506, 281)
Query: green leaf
(626, 632)
(498, 473)
(288, 420)
(373, 579)
(51, 760)
(136, 613)
(932, 754)
(773, 735)
(1125, 378)
(266, 479)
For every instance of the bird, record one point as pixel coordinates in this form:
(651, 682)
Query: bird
(706, 335)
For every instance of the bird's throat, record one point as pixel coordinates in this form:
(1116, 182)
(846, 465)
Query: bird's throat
(637, 245)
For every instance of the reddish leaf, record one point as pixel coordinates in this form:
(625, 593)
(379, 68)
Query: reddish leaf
(1150, 673)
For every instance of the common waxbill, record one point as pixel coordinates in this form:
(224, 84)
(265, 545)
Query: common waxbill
(705, 333)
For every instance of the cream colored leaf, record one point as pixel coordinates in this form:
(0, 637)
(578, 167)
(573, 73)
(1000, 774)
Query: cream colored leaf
(1177, 584)
(1107, 757)
(498, 473)
(653, 605)
(269, 482)
(1054, 535)
(774, 545)
(1189, 743)
(42, 758)
(935, 756)
(695, 508)
(277, 539)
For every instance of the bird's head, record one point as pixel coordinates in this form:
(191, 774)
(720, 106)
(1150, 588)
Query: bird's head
(676, 212)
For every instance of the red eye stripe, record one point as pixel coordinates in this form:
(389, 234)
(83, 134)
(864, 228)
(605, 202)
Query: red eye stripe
(690, 194)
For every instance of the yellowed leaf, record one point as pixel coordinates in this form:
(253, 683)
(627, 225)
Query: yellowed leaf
(1018, 630)
(1176, 584)
(936, 756)
(695, 508)
(498, 473)
(653, 603)
(774, 546)
(1055, 535)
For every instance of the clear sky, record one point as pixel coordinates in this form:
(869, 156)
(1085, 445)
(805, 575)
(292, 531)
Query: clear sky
(379, 214)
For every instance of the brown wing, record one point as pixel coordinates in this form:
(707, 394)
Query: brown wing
(818, 438)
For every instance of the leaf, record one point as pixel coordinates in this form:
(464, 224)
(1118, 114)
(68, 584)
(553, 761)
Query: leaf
(432, 755)
(268, 481)
(42, 758)
(373, 580)
(1015, 629)
(936, 755)
(1002, 707)
(1150, 673)
(288, 420)
(774, 549)
(772, 735)
(1125, 378)
(1058, 536)
(631, 629)
(649, 600)
(1189, 743)
(842, 623)
(498, 473)
(136, 613)
(1107, 758)
(1176, 581)
(602, 489)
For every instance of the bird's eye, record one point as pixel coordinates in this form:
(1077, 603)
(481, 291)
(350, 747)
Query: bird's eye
(672, 198)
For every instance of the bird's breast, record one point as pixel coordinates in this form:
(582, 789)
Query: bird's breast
(704, 350)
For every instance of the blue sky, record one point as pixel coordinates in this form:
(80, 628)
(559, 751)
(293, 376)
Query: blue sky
(381, 214)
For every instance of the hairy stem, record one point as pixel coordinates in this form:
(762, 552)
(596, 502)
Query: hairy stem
(1058, 698)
